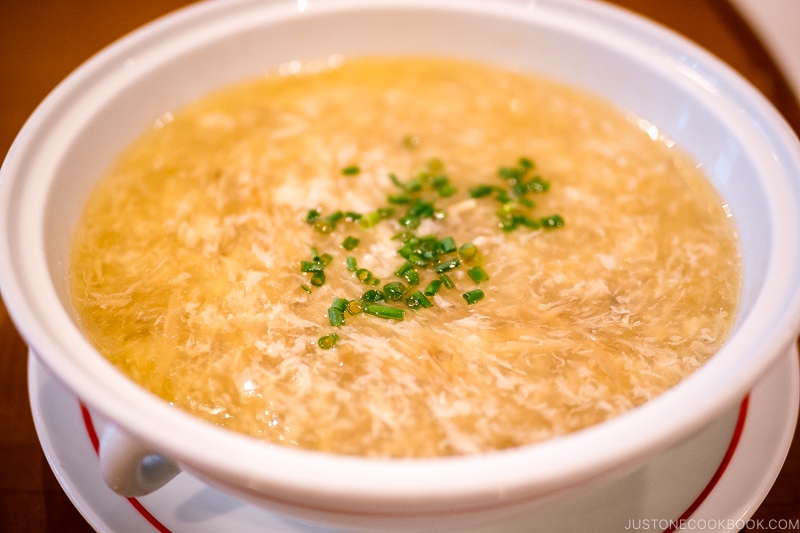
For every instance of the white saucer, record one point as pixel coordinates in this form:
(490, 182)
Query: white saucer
(187, 504)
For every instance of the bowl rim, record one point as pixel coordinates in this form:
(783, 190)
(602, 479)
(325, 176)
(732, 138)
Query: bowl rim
(291, 475)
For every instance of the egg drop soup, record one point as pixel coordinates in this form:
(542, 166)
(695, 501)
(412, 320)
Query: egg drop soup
(404, 257)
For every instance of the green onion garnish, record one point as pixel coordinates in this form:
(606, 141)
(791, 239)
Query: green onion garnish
(394, 291)
(384, 311)
(447, 266)
(447, 245)
(306, 288)
(481, 191)
(447, 281)
(433, 287)
(328, 341)
(317, 279)
(373, 296)
(467, 251)
(352, 170)
(472, 296)
(312, 216)
(350, 243)
(417, 299)
(354, 307)
(478, 274)
(336, 316)
(551, 222)
(339, 303)
(311, 266)
(351, 263)
(412, 142)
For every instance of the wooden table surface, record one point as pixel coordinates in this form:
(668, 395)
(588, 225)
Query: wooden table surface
(41, 41)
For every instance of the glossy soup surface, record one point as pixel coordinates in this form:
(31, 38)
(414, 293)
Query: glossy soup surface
(613, 266)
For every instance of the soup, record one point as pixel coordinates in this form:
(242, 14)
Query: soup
(404, 257)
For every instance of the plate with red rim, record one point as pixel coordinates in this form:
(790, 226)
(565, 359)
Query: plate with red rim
(728, 470)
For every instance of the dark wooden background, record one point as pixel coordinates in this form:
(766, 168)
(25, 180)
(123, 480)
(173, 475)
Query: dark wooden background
(42, 41)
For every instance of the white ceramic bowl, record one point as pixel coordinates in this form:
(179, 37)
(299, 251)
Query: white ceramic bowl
(742, 143)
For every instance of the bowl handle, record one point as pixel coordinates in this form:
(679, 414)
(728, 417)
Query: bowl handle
(130, 468)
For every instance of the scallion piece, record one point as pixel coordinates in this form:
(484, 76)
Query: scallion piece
(433, 287)
(447, 281)
(351, 170)
(350, 243)
(384, 311)
(394, 291)
(328, 341)
(351, 263)
(311, 266)
(417, 299)
(473, 296)
(467, 251)
(354, 307)
(481, 191)
(317, 279)
(551, 222)
(447, 245)
(312, 216)
(339, 303)
(366, 277)
(336, 316)
(447, 266)
(477, 274)
(411, 276)
(306, 288)
(373, 296)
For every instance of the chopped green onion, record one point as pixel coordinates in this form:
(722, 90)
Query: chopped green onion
(384, 311)
(551, 222)
(318, 279)
(447, 245)
(366, 277)
(311, 266)
(435, 165)
(417, 299)
(477, 274)
(350, 243)
(352, 170)
(336, 316)
(412, 142)
(447, 281)
(351, 216)
(323, 226)
(447, 266)
(399, 199)
(306, 288)
(312, 216)
(354, 307)
(328, 341)
(369, 220)
(473, 296)
(481, 191)
(467, 251)
(433, 287)
(339, 303)
(372, 296)
(411, 276)
(394, 291)
(350, 261)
